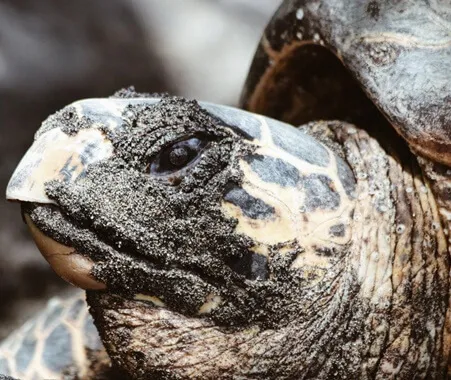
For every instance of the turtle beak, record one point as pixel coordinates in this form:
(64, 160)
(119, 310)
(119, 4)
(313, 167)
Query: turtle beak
(56, 155)
(61, 156)
(65, 261)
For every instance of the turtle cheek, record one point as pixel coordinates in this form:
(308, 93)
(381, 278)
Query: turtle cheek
(263, 209)
(64, 260)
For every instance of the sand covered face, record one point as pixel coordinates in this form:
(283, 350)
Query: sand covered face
(224, 242)
(199, 210)
(145, 218)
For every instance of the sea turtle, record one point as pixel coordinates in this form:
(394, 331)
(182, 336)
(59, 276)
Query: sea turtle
(218, 243)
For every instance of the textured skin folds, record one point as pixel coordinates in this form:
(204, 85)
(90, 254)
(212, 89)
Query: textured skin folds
(379, 312)
(320, 252)
(339, 270)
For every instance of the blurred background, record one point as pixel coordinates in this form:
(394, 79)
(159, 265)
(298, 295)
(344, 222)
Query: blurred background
(53, 52)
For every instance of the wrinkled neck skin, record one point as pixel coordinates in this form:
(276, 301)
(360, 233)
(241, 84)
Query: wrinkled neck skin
(381, 310)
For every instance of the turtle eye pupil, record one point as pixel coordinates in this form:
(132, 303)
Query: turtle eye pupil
(177, 156)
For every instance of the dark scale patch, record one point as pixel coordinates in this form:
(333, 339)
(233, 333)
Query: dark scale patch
(346, 177)
(88, 153)
(76, 308)
(318, 193)
(337, 230)
(68, 170)
(25, 353)
(325, 251)
(57, 352)
(251, 265)
(250, 206)
(298, 144)
(259, 267)
(238, 120)
(53, 316)
(274, 170)
(373, 9)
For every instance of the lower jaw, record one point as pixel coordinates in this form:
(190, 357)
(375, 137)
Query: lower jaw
(65, 261)
(62, 243)
(74, 267)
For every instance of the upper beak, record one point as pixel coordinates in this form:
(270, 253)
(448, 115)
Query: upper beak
(56, 155)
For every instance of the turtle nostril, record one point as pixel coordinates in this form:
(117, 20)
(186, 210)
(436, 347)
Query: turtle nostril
(251, 265)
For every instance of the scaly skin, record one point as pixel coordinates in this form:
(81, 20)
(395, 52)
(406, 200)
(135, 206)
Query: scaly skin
(263, 259)
(342, 59)
(274, 255)
(59, 342)
(380, 313)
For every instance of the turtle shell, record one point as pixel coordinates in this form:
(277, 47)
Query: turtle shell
(318, 59)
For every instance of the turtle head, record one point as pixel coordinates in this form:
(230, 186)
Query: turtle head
(212, 214)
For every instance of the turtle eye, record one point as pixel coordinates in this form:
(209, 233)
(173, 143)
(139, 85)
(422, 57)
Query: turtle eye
(177, 156)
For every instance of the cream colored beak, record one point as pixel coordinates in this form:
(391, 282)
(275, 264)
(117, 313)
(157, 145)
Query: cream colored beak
(56, 155)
